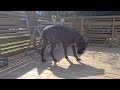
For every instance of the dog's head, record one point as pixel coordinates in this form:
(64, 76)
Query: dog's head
(81, 45)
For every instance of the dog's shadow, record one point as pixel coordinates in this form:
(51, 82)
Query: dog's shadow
(74, 71)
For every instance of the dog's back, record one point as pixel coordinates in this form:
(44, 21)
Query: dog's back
(59, 32)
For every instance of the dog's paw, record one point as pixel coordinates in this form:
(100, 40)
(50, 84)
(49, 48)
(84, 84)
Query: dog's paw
(66, 57)
(78, 59)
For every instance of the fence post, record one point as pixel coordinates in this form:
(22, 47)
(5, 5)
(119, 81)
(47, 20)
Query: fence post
(113, 30)
(0, 51)
(81, 25)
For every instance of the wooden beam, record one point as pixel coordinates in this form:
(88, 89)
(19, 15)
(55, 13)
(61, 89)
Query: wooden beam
(14, 39)
(13, 13)
(0, 51)
(113, 30)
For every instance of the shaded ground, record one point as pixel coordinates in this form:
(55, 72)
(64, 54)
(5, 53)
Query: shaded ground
(96, 63)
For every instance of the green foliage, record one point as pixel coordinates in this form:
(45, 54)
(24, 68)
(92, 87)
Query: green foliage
(79, 13)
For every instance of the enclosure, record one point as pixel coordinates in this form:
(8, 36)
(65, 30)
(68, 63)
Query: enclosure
(101, 59)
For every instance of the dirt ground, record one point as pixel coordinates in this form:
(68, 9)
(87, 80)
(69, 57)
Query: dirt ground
(96, 63)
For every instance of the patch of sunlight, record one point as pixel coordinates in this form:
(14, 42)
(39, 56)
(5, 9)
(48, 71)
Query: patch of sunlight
(13, 36)
(15, 42)
(13, 50)
(14, 46)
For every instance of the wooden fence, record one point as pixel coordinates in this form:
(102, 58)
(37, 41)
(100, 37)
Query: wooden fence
(13, 33)
(14, 36)
(100, 30)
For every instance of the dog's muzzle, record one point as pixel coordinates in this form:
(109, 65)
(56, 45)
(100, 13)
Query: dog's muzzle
(80, 52)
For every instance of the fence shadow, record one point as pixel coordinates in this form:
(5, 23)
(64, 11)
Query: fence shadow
(73, 71)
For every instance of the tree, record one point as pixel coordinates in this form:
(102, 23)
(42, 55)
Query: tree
(79, 13)
(57, 13)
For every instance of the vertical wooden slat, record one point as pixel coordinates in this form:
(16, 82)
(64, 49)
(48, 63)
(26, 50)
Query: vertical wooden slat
(113, 30)
(34, 43)
(0, 51)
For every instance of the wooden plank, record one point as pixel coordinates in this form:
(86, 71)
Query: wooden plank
(113, 31)
(12, 31)
(117, 22)
(117, 35)
(12, 26)
(13, 53)
(14, 34)
(47, 23)
(98, 35)
(90, 39)
(98, 23)
(10, 21)
(13, 39)
(106, 19)
(117, 31)
(95, 44)
(11, 14)
(0, 51)
(117, 27)
(98, 44)
(98, 30)
(98, 19)
(98, 26)
(18, 42)
(14, 44)
(97, 38)
(20, 46)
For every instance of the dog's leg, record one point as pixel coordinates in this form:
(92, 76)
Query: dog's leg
(65, 50)
(74, 52)
(43, 49)
(53, 45)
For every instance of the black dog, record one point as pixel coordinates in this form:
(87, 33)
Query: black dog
(66, 35)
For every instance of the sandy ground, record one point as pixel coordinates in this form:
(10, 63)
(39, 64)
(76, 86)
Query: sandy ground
(96, 63)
